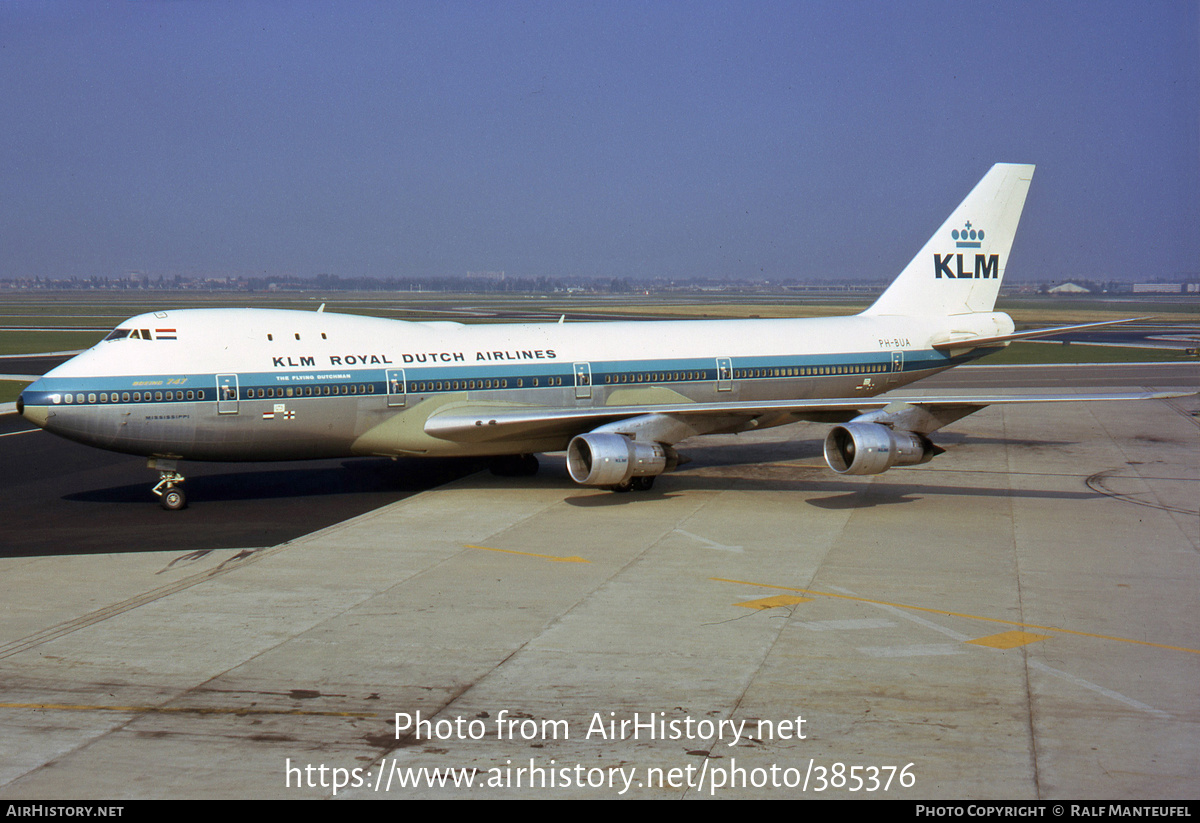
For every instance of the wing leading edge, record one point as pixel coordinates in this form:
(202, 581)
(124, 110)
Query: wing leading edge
(479, 424)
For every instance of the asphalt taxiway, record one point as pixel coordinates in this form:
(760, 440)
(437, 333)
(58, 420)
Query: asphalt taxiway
(1015, 619)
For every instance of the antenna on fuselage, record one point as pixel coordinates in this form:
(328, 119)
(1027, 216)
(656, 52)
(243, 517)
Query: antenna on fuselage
(561, 319)
(320, 308)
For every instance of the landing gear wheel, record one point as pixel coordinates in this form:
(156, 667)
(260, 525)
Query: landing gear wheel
(514, 465)
(168, 489)
(173, 499)
(642, 484)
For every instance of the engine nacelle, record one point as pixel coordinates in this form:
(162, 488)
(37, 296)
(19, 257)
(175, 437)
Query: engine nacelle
(612, 459)
(869, 448)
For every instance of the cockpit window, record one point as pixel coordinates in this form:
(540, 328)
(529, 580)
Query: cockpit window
(117, 334)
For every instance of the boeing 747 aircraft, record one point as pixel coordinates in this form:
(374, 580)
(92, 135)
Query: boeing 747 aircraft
(260, 384)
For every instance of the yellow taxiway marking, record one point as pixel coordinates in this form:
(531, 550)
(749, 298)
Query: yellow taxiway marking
(773, 602)
(71, 707)
(1008, 640)
(531, 554)
(959, 614)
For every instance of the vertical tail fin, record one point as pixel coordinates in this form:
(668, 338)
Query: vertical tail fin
(960, 269)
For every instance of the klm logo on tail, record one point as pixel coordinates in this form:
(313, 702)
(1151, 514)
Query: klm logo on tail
(987, 266)
(982, 227)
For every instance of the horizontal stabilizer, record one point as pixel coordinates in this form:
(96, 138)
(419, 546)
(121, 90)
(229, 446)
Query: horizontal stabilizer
(975, 342)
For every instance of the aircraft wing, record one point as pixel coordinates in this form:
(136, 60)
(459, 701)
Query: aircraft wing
(478, 424)
(975, 342)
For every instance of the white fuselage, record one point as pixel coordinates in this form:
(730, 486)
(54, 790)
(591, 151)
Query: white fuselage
(253, 384)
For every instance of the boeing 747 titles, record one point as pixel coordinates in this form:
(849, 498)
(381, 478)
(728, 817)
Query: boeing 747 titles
(263, 384)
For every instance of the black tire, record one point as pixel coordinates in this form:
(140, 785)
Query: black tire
(643, 484)
(514, 465)
(173, 500)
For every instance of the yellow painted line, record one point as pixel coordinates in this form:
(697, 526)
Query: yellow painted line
(1008, 640)
(531, 554)
(959, 614)
(70, 707)
(774, 602)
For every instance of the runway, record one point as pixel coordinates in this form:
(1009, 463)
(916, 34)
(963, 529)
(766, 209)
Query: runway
(1015, 619)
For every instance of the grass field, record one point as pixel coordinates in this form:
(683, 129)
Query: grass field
(1046, 353)
(101, 310)
(9, 389)
(34, 342)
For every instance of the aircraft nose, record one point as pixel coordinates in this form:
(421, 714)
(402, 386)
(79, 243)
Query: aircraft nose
(36, 413)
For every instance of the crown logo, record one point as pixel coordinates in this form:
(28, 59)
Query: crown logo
(967, 237)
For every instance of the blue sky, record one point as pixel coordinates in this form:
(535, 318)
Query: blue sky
(611, 139)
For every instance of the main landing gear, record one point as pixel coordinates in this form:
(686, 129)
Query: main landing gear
(169, 488)
(642, 483)
(514, 465)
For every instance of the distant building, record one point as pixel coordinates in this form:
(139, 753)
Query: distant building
(1069, 288)
(1157, 288)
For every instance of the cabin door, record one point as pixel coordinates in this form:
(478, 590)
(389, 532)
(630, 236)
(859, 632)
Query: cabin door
(897, 366)
(396, 390)
(227, 394)
(724, 374)
(583, 381)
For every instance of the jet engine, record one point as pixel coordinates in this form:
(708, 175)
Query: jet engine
(615, 460)
(869, 448)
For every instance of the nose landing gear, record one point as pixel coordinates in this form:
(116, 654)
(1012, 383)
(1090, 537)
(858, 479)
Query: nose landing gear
(169, 488)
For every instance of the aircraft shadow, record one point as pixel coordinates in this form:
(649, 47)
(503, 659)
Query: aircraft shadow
(829, 491)
(312, 479)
